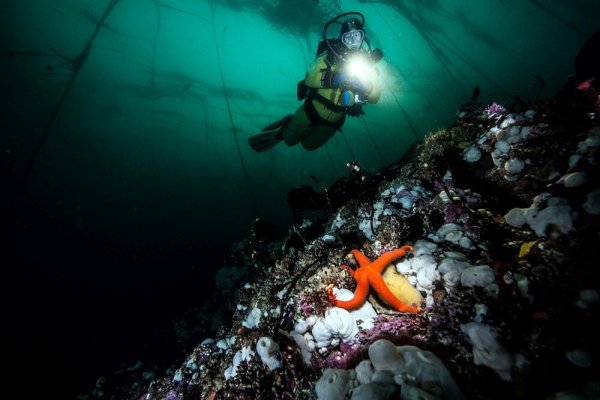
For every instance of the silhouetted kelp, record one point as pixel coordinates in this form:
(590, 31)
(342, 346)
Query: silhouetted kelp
(418, 13)
(299, 18)
(233, 127)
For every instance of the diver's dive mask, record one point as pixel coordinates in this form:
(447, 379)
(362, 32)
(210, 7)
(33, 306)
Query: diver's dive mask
(353, 39)
(351, 36)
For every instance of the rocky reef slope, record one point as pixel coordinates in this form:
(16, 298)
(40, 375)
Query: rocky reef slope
(503, 211)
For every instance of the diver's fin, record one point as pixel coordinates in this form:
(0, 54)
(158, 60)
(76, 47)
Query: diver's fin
(277, 125)
(270, 136)
(264, 141)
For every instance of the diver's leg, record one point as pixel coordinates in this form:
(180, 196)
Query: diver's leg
(275, 126)
(270, 136)
(318, 136)
(298, 128)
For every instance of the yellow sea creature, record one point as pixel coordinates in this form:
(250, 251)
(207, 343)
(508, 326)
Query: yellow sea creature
(526, 248)
(401, 287)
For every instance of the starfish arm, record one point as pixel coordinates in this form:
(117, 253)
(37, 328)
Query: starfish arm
(385, 259)
(347, 268)
(361, 258)
(360, 295)
(378, 284)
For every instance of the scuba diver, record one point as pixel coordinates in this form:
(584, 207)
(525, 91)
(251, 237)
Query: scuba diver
(338, 83)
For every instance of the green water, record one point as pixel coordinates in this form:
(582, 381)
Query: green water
(145, 176)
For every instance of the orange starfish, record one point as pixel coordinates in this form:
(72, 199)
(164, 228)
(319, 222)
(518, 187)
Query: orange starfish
(369, 275)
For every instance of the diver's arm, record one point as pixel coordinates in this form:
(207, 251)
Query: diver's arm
(318, 76)
(375, 93)
(322, 76)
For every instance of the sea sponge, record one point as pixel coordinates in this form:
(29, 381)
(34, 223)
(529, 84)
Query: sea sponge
(487, 350)
(413, 366)
(334, 384)
(372, 391)
(592, 202)
(478, 275)
(384, 357)
(269, 353)
(244, 354)
(337, 325)
(417, 371)
(424, 370)
(364, 372)
(558, 214)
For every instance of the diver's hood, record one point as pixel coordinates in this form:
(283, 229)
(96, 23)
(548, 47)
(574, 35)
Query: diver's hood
(334, 44)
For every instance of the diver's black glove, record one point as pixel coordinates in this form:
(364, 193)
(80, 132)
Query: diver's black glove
(376, 56)
(328, 80)
(340, 79)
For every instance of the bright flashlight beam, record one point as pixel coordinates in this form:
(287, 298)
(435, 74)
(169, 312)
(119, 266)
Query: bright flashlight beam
(360, 68)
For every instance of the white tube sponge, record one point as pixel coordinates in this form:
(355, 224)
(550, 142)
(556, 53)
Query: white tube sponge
(560, 216)
(244, 354)
(426, 369)
(516, 217)
(269, 353)
(414, 366)
(487, 350)
(334, 384)
(385, 357)
(372, 391)
(363, 316)
(592, 202)
(478, 275)
(253, 319)
(364, 372)
(337, 324)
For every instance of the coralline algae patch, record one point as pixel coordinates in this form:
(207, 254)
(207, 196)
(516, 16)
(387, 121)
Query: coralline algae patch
(502, 211)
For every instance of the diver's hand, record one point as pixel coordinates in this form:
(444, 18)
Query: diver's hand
(359, 86)
(342, 79)
(338, 79)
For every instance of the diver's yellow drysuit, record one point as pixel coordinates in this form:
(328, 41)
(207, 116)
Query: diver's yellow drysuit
(322, 114)
(326, 103)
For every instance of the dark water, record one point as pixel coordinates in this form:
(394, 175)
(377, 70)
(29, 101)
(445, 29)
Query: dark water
(126, 174)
